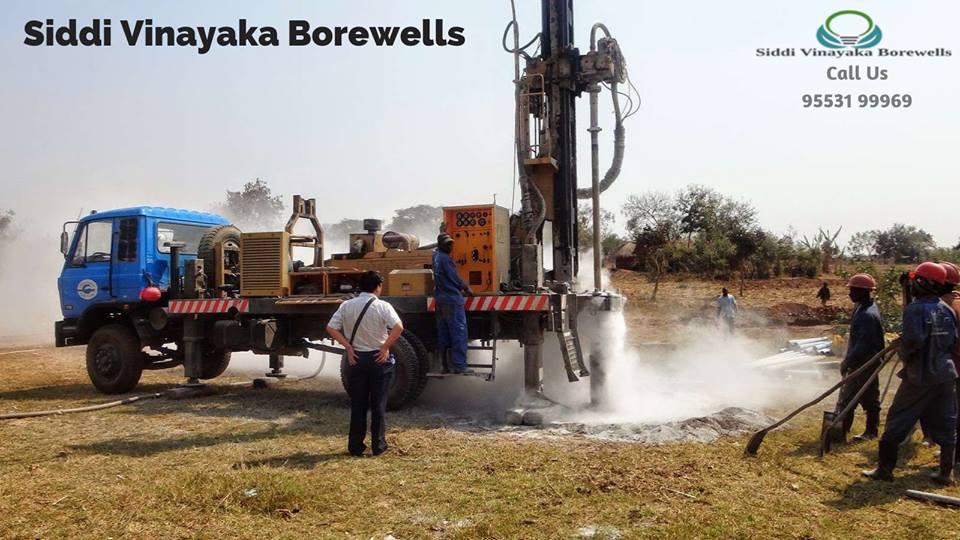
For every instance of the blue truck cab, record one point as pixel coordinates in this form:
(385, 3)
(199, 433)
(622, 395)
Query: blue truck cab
(109, 259)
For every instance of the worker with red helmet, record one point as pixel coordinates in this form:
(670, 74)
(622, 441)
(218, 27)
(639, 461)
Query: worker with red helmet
(951, 297)
(866, 339)
(927, 391)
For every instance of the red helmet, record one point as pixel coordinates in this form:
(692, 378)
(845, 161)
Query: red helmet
(862, 281)
(953, 273)
(931, 271)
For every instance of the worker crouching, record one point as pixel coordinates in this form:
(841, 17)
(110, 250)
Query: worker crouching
(927, 391)
(865, 341)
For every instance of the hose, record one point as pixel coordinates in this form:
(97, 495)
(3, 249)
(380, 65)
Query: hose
(98, 407)
(619, 133)
(134, 399)
(532, 205)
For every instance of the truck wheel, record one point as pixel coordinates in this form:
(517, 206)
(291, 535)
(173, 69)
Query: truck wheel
(403, 386)
(423, 356)
(214, 364)
(230, 236)
(115, 359)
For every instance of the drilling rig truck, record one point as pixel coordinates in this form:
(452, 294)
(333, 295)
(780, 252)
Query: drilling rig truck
(153, 288)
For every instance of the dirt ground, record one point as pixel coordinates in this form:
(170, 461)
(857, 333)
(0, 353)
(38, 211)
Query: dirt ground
(271, 463)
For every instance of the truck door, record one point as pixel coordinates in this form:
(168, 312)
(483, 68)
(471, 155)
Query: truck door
(127, 276)
(85, 279)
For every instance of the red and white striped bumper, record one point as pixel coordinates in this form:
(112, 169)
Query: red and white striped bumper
(535, 302)
(221, 305)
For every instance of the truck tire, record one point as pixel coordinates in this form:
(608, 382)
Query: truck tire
(115, 359)
(214, 364)
(423, 356)
(214, 235)
(403, 387)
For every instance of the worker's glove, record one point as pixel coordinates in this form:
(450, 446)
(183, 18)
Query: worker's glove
(468, 292)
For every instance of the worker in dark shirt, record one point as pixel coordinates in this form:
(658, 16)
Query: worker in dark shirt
(824, 294)
(951, 297)
(927, 391)
(449, 289)
(865, 341)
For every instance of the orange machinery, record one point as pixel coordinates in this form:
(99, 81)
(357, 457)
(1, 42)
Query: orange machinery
(481, 244)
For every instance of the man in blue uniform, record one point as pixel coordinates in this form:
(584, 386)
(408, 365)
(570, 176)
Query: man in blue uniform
(866, 340)
(451, 317)
(927, 392)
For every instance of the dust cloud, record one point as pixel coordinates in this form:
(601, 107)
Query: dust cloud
(29, 266)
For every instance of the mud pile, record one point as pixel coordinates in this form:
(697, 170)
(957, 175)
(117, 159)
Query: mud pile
(731, 421)
(796, 314)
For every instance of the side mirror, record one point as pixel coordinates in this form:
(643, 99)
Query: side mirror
(64, 243)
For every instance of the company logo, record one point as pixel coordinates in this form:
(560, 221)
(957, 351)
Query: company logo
(829, 37)
(87, 289)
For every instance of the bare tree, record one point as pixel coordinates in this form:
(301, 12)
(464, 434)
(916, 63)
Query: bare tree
(826, 244)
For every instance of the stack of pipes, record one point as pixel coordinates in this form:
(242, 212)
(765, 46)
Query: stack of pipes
(808, 353)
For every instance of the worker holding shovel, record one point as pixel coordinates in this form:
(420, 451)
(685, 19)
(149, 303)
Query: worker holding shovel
(927, 391)
(865, 340)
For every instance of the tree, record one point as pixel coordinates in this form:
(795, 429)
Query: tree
(254, 207)
(7, 231)
(341, 230)
(825, 244)
(863, 244)
(903, 244)
(697, 207)
(655, 225)
(609, 240)
(422, 220)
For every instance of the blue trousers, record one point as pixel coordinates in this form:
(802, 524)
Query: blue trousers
(934, 406)
(452, 329)
(369, 385)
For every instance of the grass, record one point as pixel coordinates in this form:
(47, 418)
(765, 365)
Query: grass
(271, 464)
(186, 469)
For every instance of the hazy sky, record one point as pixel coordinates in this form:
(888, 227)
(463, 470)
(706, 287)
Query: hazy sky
(374, 129)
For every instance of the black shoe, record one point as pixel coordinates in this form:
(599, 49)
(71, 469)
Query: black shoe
(879, 473)
(944, 476)
(463, 371)
(866, 436)
(886, 462)
(381, 452)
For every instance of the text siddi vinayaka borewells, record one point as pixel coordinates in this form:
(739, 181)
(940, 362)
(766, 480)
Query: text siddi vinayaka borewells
(144, 32)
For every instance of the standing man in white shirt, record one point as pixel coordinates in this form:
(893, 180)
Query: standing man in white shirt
(373, 326)
(727, 309)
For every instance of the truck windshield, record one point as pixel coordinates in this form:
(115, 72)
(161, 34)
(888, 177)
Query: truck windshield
(93, 245)
(179, 232)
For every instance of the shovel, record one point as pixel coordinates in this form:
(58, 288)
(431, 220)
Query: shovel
(757, 439)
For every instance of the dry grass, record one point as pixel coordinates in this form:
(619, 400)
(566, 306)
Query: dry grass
(165, 469)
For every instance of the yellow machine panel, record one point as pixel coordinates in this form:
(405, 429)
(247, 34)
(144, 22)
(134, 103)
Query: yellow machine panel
(481, 244)
(409, 283)
(265, 260)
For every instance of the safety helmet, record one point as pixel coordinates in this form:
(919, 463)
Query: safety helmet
(930, 271)
(953, 273)
(862, 281)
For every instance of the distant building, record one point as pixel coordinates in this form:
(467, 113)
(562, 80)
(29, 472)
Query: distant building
(625, 256)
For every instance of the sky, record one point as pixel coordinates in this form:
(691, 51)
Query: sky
(367, 130)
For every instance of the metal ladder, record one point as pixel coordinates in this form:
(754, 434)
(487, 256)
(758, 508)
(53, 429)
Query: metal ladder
(565, 326)
(485, 345)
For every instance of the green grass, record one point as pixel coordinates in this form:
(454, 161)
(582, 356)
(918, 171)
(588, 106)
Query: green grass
(164, 469)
